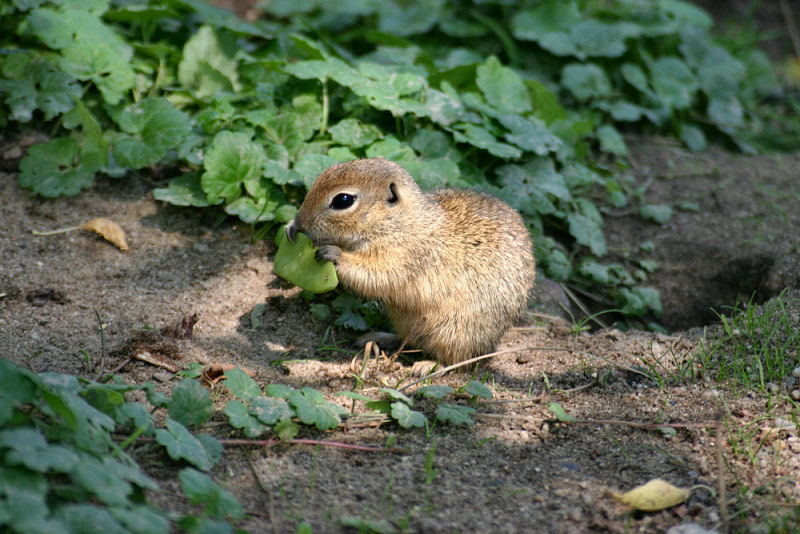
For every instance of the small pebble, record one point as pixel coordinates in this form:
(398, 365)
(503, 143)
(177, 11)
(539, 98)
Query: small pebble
(795, 394)
(780, 422)
(773, 388)
(796, 372)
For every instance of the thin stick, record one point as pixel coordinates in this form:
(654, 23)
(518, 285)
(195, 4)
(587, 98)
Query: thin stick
(103, 353)
(579, 304)
(523, 349)
(117, 369)
(721, 496)
(54, 232)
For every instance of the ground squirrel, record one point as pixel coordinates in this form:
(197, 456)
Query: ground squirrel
(453, 267)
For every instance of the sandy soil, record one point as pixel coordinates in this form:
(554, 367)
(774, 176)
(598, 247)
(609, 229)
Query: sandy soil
(516, 469)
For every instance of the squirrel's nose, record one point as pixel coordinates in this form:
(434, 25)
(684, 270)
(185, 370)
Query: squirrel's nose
(291, 230)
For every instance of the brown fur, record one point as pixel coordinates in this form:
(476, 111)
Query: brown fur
(453, 267)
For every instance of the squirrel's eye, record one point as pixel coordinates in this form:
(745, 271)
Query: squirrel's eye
(342, 201)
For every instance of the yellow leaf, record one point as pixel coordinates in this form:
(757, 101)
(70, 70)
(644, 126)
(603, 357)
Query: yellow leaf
(108, 230)
(653, 496)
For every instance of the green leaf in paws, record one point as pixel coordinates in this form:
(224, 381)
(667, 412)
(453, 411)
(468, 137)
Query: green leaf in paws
(296, 263)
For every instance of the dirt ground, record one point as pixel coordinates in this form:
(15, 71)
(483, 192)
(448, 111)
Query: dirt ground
(515, 470)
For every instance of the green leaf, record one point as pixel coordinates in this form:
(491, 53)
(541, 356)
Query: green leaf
(191, 404)
(410, 18)
(311, 166)
(296, 262)
(587, 232)
(658, 213)
(105, 484)
(502, 87)
(688, 12)
(155, 126)
(142, 519)
(727, 114)
(534, 187)
(548, 16)
(279, 391)
(286, 430)
(594, 38)
(28, 447)
(611, 141)
(391, 148)
(436, 392)
(348, 308)
(585, 81)
(406, 417)
(478, 389)
(185, 190)
(595, 271)
(103, 65)
(354, 133)
(639, 300)
(693, 137)
(35, 84)
(232, 162)
(50, 169)
(203, 491)
(241, 385)
(482, 138)
(673, 81)
(396, 395)
(455, 415)
(270, 410)
(182, 445)
(209, 63)
(560, 414)
(312, 409)
(530, 134)
(87, 518)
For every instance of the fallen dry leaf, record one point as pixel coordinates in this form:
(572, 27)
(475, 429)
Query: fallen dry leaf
(653, 496)
(108, 230)
(157, 360)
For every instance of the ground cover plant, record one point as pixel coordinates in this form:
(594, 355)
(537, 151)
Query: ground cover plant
(501, 96)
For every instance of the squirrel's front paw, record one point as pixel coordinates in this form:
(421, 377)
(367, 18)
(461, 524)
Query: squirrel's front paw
(330, 253)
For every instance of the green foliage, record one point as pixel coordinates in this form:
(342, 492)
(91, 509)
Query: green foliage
(509, 99)
(62, 469)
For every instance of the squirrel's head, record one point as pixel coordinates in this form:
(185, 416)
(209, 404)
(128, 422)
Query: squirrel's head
(352, 203)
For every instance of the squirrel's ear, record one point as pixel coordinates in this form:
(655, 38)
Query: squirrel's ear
(392, 194)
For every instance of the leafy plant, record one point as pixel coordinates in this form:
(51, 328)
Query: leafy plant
(63, 466)
(505, 98)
